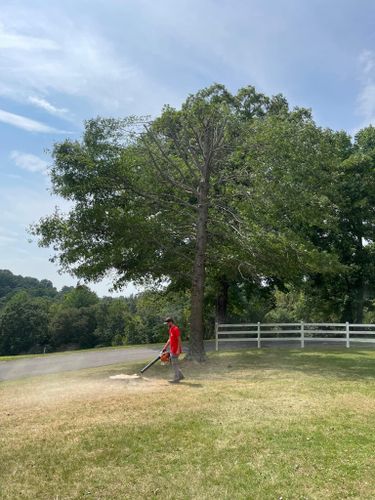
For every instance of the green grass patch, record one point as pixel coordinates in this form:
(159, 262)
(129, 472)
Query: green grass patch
(256, 424)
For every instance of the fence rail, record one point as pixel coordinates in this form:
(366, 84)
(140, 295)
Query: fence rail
(297, 332)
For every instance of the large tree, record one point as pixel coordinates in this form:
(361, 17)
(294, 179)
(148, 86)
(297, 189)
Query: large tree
(215, 190)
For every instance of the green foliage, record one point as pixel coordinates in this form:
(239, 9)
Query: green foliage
(296, 304)
(154, 307)
(72, 326)
(10, 284)
(77, 318)
(24, 324)
(81, 296)
(111, 317)
(250, 301)
(350, 293)
(145, 323)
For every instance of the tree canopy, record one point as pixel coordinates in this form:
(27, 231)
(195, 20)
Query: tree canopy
(227, 189)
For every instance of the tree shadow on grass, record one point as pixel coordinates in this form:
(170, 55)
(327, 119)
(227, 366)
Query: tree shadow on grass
(323, 361)
(349, 365)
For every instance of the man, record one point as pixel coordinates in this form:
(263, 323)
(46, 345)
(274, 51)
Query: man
(175, 348)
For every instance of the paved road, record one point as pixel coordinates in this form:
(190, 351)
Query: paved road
(55, 363)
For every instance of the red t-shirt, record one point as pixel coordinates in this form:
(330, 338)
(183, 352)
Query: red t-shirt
(174, 335)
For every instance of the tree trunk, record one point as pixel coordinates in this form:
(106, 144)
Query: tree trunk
(196, 351)
(222, 301)
(354, 304)
(359, 300)
(359, 287)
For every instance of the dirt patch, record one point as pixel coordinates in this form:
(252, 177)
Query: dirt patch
(124, 376)
(137, 382)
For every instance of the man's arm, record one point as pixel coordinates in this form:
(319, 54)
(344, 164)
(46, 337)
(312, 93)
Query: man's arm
(179, 344)
(166, 345)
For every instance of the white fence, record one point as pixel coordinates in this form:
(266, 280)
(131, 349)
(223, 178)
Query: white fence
(294, 332)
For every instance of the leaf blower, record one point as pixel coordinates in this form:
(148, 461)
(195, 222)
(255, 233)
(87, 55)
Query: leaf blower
(164, 358)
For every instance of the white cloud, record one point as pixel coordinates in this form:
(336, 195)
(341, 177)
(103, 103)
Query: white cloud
(6, 240)
(8, 232)
(13, 176)
(367, 61)
(25, 123)
(366, 97)
(367, 100)
(13, 40)
(29, 162)
(125, 69)
(66, 59)
(47, 106)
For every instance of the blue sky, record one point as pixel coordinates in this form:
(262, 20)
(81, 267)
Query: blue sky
(64, 62)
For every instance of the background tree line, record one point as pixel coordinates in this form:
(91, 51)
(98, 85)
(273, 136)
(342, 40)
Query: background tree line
(35, 317)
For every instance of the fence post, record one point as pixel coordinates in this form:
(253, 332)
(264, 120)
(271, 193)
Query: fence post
(216, 336)
(347, 335)
(258, 336)
(302, 335)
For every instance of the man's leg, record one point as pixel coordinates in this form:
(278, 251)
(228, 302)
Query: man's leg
(178, 375)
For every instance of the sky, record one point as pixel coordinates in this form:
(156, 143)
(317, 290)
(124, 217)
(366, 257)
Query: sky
(64, 62)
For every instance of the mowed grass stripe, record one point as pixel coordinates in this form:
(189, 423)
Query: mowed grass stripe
(254, 424)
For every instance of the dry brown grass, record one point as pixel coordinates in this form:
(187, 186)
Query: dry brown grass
(245, 425)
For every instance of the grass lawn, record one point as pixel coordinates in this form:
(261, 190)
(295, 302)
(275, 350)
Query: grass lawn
(256, 424)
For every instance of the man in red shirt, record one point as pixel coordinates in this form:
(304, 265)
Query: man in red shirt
(175, 348)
